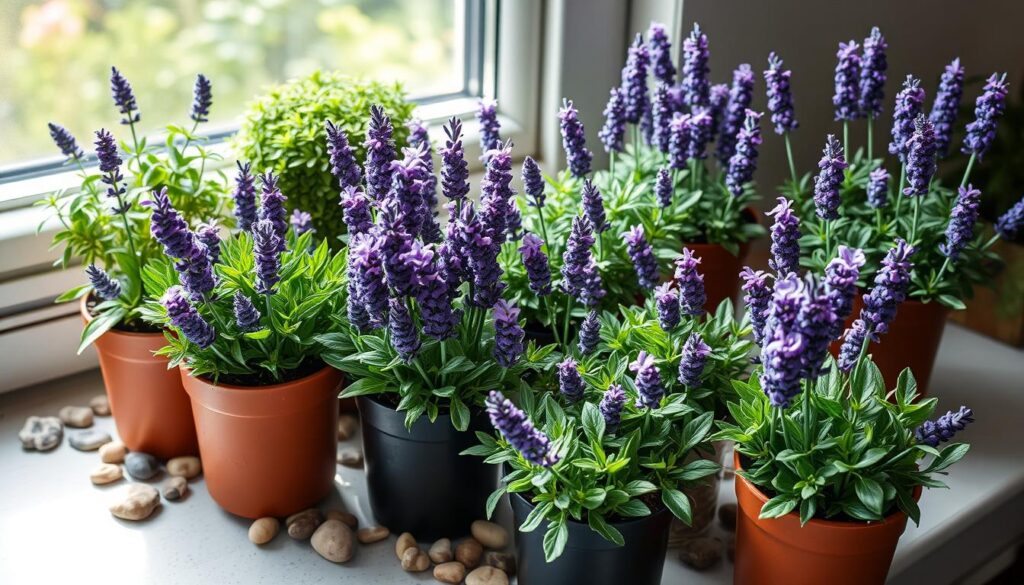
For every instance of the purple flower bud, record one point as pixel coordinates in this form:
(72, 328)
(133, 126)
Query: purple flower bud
(124, 98)
(482, 252)
(872, 74)
(663, 188)
(104, 286)
(783, 350)
(508, 335)
(266, 249)
(65, 141)
(380, 151)
(169, 229)
(110, 166)
(487, 116)
(644, 261)
(829, 180)
(679, 140)
(694, 357)
(691, 284)
(209, 235)
(744, 162)
(817, 324)
(933, 433)
(272, 208)
(614, 128)
(593, 206)
(920, 161)
(780, 98)
(662, 112)
(247, 317)
(404, 337)
(785, 237)
(419, 141)
(366, 270)
(841, 276)
(660, 49)
(694, 70)
(960, 229)
(302, 222)
(847, 81)
(1009, 225)
(538, 270)
(878, 188)
(611, 407)
(454, 168)
(432, 293)
(719, 101)
(396, 241)
(497, 195)
(590, 333)
(570, 383)
(987, 110)
(343, 160)
(512, 423)
(244, 196)
(406, 177)
(634, 81)
(356, 210)
(577, 263)
(648, 381)
(700, 132)
(909, 103)
(574, 140)
(533, 183)
(185, 318)
(666, 299)
(757, 296)
(740, 96)
(946, 105)
(202, 99)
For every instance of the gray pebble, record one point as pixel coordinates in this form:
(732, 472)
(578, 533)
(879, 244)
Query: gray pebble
(41, 433)
(89, 440)
(141, 465)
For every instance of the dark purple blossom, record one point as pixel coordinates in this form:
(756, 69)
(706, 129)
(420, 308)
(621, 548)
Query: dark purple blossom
(512, 423)
(817, 324)
(744, 162)
(660, 49)
(909, 104)
(614, 128)
(185, 318)
(960, 229)
(533, 183)
(496, 194)
(679, 140)
(847, 82)
(872, 74)
(757, 297)
(380, 152)
(663, 188)
(396, 241)
(104, 286)
(343, 160)
(987, 110)
(693, 68)
(302, 222)
(404, 337)
(1010, 224)
(592, 289)
(644, 261)
(946, 105)
(780, 97)
(487, 116)
(432, 294)
(783, 350)
(634, 81)
(666, 299)
(272, 208)
(202, 99)
(694, 357)
(169, 229)
(247, 317)
(920, 160)
(718, 102)
(244, 196)
(574, 140)
(878, 188)
(662, 111)
(841, 276)
(785, 236)
(538, 270)
(266, 248)
(406, 175)
(593, 206)
(366, 270)
(700, 133)
(577, 257)
(124, 97)
(691, 284)
(612, 401)
(65, 141)
(932, 433)
(482, 252)
(648, 381)
(209, 235)
(419, 141)
(590, 333)
(570, 383)
(454, 168)
(740, 96)
(356, 210)
(508, 335)
(110, 166)
(829, 179)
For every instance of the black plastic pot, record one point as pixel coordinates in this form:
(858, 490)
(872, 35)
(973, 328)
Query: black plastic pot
(538, 332)
(417, 480)
(589, 559)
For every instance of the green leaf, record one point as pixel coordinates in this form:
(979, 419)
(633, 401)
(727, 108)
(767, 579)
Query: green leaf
(639, 487)
(697, 469)
(869, 492)
(593, 498)
(678, 503)
(633, 509)
(493, 499)
(364, 386)
(555, 539)
(535, 517)
(593, 422)
(599, 525)
(459, 413)
(100, 325)
(778, 506)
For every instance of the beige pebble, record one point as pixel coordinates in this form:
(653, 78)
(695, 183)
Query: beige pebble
(441, 551)
(187, 467)
(701, 553)
(489, 534)
(351, 458)
(487, 576)
(347, 517)
(468, 552)
(106, 473)
(302, 525)
(347, 427)
(100, 405)
(333, 541)
(138, 502)
(450, 572)
(405, 541)
(414, 560)
(263, 530)
(113, 452)
(501, 560)
(175, 488)
(78, 417)
(372, 534)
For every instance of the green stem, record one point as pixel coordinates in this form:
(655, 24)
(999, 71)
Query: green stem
(565, 323)
(806, 414)
(871, 141)
(942, 271)
(846, 139)
(967, 171)
(899, 192)
(636, 152)
(792, 165)
(917, 217)
(551, 319)
(828, 239)
(990, 242)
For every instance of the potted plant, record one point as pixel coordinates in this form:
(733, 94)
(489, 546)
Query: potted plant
(245, 318)
(102, 224)
(426, 334)
(830, 463)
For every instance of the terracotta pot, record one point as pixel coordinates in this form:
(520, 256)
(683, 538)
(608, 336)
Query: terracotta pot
(912, 341)
(703, 501)
(150, 408)
(779, 550)
(721, 269)
(267, 450)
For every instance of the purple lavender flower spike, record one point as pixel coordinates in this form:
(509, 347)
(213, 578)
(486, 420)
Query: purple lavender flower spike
(343, 160)
(679, 140)
(693, 360)
(818, 324)
(780, 97)
(185, 318)
(482, 252)
(943, 429)
(909, 103)
(666, 299)
(110, 166)
(612, 401)
(169, 229)
(648, 381)
(782, 354)
(590, 333)
(570, 383)
(432, 292)
(591, 291)
(634, 81)
(946, 105)
(847, 81)
(921, 164)
(533, 183)
(740, 96)
(244, 196)
(396, 241)
(719, 101)
(380, 151)
(694, 70)
(644, 261)
(577, 257)
(700, 133)
(841, 276)
(593, 206)
(419, 141)
(272, 208)
(366, 265)
(1010, 224)
(356, 210)
(878, 188)
(508, 335)
(829, 179)
(497, 195)
(987, 110)
(512, 423)
(358, 318)
(538, 270)
(65, 141)
(660, 49)
(960, 229)
(785, 236)
(574, 140)
(487, 116)
(744, 162)
(614, 128)
(757, 297)
(404, 337)
(691, 284)
(124, 97)
(406, 175)
(104, 286)
(202, 99)
(454, 168)
(209, 235)
(266, 248)
(872, 75)
(663, 188)
(247, 317)
(662, 111)
(301, 222)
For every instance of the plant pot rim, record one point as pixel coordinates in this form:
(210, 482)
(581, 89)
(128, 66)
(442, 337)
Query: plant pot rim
(315, 376)
(617, 523)
(896, 517)
(87, 317)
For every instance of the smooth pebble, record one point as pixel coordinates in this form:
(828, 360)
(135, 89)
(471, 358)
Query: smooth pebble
(302, 525)
(414, 560)
(372, 534)
(175, 488)
(89, 440)
(106, 473)
(441, 551)
(100, 405)
(333, 541)
(489, 534)
(450, 572)
(347, 426)
(141, 465)
(78, 417)
(137, 502)
(113, 452)
(351, 458)
(468, 552)
(263, 530)
(187, 466)
(41, 433)
(501, 560)
(347, 517)
(486, 576)
(405, 541)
